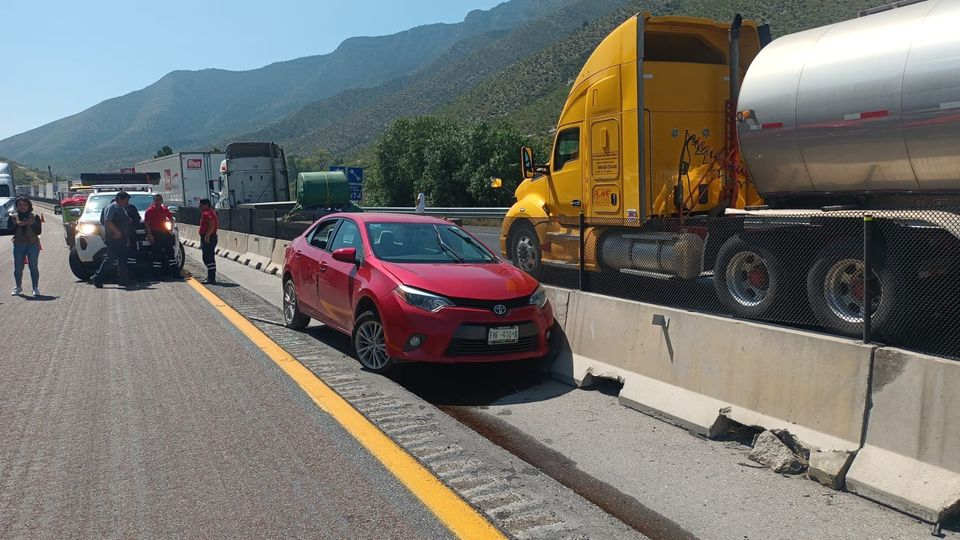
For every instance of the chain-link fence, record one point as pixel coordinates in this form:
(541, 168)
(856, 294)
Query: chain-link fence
(801, 269)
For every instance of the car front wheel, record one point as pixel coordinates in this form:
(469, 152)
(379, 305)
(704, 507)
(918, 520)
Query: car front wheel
(370, 343)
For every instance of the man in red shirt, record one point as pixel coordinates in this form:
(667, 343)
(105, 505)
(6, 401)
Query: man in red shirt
(159, 224)
(209, 224)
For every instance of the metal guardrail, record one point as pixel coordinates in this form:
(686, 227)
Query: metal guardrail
(494, 213)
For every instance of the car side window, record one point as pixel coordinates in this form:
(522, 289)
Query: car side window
(320, 238)
(348, 235)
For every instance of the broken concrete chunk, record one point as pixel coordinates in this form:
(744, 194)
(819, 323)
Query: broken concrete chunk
(769, 450)
(830, 468)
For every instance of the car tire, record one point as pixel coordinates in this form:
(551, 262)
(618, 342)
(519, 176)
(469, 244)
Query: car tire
(80, 270)
(525, 251)
(749, 279)
(834, 285)
(369, 343)
(293, 318)
(181, 256)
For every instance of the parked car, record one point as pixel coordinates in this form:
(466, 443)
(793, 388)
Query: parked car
(413, 289)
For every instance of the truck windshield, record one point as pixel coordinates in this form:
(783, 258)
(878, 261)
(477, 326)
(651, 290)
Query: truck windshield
(425, 243)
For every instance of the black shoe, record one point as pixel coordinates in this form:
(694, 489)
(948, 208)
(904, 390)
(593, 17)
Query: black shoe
(209, 282)
(96, 283)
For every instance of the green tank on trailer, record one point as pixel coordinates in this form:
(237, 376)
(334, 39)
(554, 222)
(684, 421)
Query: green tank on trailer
(326, 189)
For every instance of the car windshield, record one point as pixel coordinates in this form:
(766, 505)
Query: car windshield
(425, 243)
(96, 203)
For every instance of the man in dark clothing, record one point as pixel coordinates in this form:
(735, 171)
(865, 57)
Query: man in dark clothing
(159, 224)
(116, 231)
(132, 248)
(209, 224)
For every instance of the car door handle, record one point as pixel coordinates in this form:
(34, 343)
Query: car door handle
(296, 254)
(323, 267)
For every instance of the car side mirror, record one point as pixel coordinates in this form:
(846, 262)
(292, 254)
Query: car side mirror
(526, 162)
(347, 255)
(57, 209)
(75, 212)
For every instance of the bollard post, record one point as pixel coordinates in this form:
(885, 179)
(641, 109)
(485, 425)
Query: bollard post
(867, 271)
(582, 271)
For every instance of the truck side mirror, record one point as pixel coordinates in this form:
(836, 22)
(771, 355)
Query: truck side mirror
(526, 162)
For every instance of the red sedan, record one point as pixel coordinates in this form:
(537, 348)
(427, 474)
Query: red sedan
(413, 288)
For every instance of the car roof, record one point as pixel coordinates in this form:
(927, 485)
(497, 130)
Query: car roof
(383, 217)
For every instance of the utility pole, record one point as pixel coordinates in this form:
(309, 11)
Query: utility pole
(50, 172)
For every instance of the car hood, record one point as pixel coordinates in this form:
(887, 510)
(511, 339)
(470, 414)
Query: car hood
(492, 281)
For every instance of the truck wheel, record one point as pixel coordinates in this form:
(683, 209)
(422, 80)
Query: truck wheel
(835, 290)
(749, 279)
(525, 249)
(77, 267)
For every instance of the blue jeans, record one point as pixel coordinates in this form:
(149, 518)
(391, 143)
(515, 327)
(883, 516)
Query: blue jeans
(32, 253)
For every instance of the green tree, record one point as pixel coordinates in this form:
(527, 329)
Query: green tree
(165, 151)
(450, 163)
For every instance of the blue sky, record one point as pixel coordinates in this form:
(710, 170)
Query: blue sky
(60, 57)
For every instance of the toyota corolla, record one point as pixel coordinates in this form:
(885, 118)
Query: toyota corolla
(413, 289)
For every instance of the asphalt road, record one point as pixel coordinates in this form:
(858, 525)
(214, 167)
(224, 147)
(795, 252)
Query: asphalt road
(143, 413)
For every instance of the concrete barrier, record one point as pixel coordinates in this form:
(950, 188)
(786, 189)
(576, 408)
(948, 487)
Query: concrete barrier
(276, 258)
(700, 371)
(231, 245)
(911, 456)
(189, 234)
(259, 252)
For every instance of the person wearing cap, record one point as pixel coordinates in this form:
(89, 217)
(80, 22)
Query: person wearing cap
(158, 221)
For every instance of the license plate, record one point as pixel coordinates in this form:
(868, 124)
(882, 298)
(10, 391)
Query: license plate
(503, 334)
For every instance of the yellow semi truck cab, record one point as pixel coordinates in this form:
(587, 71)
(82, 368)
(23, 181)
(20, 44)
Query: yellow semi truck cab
(619, 167)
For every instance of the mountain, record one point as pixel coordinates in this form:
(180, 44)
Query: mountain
(344, 123)
(190, 109)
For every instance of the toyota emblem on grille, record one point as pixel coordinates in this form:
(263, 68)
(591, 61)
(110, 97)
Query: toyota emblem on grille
(500, 309)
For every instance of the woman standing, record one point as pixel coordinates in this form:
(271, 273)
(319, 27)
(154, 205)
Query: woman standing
(25, 226)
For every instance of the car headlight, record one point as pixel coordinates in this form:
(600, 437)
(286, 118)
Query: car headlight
(539, 297)
(88, 228)
(422, 299)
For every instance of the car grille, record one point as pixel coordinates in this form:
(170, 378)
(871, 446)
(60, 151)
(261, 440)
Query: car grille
(469, 347)
(488, 304)
(471, 340)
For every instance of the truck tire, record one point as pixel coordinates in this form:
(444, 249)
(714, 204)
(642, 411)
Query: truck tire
(750, 280)
(79, 269)
(835, 290)
(524, 246)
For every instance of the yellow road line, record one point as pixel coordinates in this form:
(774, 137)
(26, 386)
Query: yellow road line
(455, 513)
